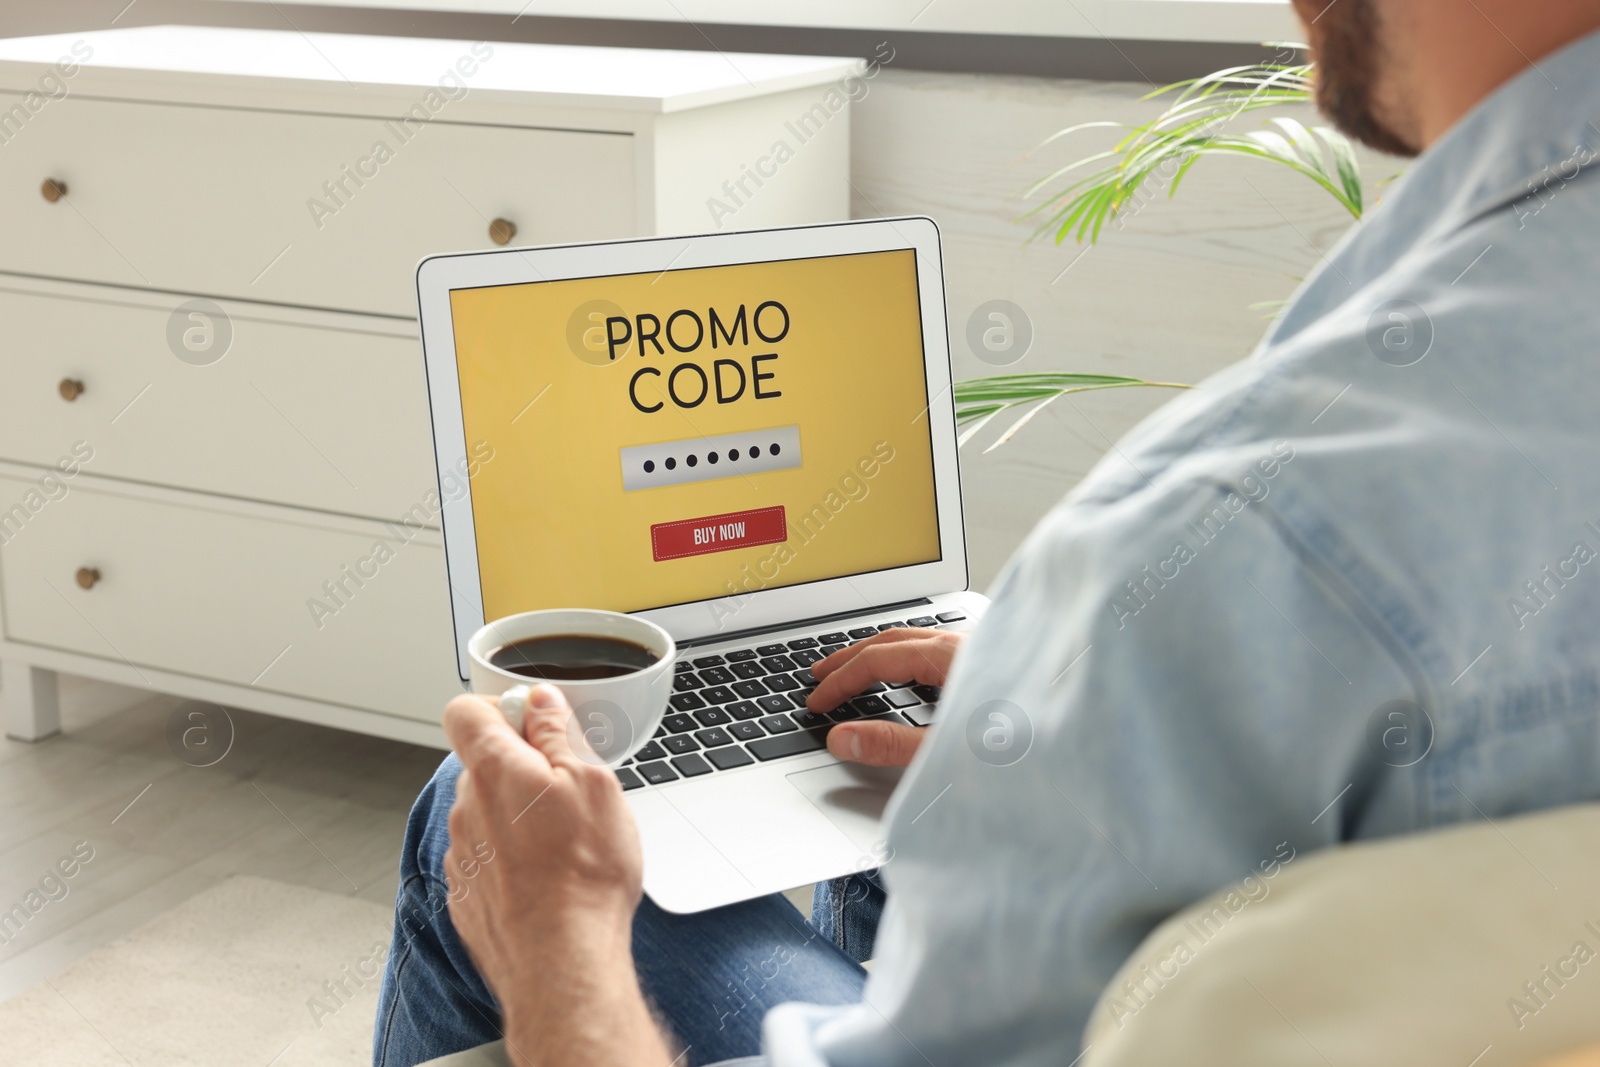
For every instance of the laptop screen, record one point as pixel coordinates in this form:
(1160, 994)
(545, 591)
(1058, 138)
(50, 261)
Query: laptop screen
(648, 440)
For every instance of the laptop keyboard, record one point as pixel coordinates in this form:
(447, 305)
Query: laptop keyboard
(748, 706)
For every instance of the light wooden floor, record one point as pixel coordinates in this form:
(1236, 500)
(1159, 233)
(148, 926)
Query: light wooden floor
(291, 801)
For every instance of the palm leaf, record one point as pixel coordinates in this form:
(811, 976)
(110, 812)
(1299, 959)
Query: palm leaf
(979, 400)
(1084, 196)
(1159, 153)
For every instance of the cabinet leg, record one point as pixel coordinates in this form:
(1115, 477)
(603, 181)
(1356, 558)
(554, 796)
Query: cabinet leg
(32, 703)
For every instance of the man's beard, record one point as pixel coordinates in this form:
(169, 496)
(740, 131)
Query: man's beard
(1348, 51)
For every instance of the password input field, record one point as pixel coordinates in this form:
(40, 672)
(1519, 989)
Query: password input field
(702, 459)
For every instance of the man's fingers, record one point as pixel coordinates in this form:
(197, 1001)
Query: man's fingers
(828, 664)
(478, 731)
(875, 744)
(894, 661)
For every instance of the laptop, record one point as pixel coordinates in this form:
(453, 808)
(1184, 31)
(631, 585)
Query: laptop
(748, 438)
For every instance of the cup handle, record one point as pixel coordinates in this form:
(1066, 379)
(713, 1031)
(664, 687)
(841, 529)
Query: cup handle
(513, 703)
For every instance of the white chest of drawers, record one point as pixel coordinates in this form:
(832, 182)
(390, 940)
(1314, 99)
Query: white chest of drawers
(233, 500)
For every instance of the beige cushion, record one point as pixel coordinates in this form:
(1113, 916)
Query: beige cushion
(1411, 952)
(490, 1055)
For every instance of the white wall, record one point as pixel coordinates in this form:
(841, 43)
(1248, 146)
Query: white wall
(1165, 297)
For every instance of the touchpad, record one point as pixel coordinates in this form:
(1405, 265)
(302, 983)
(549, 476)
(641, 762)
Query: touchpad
(852, 797)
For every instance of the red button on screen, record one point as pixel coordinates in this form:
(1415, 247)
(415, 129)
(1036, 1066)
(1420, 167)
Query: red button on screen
(718, 533)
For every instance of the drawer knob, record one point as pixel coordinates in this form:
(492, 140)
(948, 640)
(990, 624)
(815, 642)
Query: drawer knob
(70, 389)
(53, 189)
(87, 576)
(501, 231)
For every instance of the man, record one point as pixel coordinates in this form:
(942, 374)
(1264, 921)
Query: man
(1346, 589)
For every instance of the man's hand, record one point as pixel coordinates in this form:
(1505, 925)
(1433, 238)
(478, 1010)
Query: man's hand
(904, 654)
(545, 871)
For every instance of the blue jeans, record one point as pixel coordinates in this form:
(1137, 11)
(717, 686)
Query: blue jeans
(711, 976)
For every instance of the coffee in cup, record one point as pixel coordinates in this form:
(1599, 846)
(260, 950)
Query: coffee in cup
(615, 671)
(572, 657)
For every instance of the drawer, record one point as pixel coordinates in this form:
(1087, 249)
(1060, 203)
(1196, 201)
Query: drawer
(229, 594)
(315, 210)
(317, 412)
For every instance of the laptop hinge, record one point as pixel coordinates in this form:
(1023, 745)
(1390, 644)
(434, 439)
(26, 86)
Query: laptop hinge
(798, 624)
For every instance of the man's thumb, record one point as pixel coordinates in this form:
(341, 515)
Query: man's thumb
(545, 723)
(875, 744)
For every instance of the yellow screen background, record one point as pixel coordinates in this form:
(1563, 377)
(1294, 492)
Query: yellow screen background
(554, 526)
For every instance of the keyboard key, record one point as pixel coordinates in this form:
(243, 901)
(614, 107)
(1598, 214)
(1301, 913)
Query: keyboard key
(929, 693)
(862, 632)
(749, 669)
(686, 681)
(717, 694)
(844, 713)
(747, 731)
(835, 638)
(780, 683)
(779, 724)
(691, 766)
(771, 650)
(771, 748)
(921, 716)
(888, 716)
(628, 779)
(891, 626)
(727, 759)
(952, 616)
(870, 705)
(709, 661)
(805, 677)
(681, 666)
(806, 656)
(808, 720)
(716, 675)
(926, 621)
(828, 650)
(741, 654)
(803, 642)
(688, 701)
(750, 689)
(780, 663)
(679, 744)
(714, 737)
(650, 752)
(875, 687)
(656, 773)
(713, 717)
(902, 698)
(743, 710)
(679, 724)
(661, 731)
(774, 704)
(799, 698)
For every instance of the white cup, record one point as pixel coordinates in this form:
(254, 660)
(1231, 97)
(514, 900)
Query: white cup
(611, 717)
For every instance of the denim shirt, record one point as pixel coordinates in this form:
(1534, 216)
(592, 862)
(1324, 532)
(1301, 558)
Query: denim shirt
(1348, 588)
